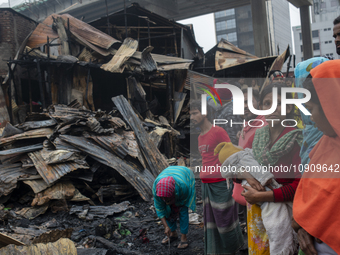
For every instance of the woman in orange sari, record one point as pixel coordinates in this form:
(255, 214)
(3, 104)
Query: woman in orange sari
(316, 205)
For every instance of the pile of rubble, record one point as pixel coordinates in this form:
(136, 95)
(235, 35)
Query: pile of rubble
(57, 153)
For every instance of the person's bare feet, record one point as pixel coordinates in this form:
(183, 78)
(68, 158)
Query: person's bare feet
(173, 237)
(184, 242)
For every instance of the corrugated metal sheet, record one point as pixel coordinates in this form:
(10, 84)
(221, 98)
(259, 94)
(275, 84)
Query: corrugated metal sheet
(17, 151)
(37, 185)
(228, 55)
(147, 62)
(125, 51)
(52, 173)
(85, 31)
(277, 65)
(9, 175)
(43, 132)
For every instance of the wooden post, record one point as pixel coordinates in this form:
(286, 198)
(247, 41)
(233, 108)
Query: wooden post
(170, 96)
(42, 94)
(30, 89)
(10, 94)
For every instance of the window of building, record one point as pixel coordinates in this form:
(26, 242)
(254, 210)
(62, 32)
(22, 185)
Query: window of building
(300, 36)
(331, 54)
(301, 59)
(326, 42)
(230, 12)
(325, 29)
(316, 46)
(219, 37)
(317, 56)
(329, 29)
(329, 41)
(231, 23)
(220, 14)
(232, 37)
(323, 5)
(315, 33)
(334, 3)
(222, 25)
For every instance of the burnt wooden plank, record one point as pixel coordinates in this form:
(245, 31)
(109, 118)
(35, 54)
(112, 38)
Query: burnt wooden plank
(153, 157)
(142, 181)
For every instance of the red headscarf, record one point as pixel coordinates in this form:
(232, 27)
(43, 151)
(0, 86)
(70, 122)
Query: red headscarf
(317, 199)
(166, 187)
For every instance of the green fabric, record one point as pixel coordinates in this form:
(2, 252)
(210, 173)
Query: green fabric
(222, 232)
(185, 192)
(266, 155)
(301, 252)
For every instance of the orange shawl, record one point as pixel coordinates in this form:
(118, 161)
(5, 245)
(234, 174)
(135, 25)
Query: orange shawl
(317, 199)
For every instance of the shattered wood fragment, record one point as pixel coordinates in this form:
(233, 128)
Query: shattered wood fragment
(95, 126)
(6, 240)
(101, 212)
(147, 63)
(38, 133)
(32, 212)
(152, 155)
(61, 247)
(53, 236)
(125, 51)
(9, 175)
(141, 181)
(52, 173)
(31, 231)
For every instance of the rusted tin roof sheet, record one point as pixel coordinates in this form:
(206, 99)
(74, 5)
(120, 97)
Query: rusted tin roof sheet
(277, 65)
(142, 181)
(125, 51)
(37, 185)
(228, 55)
(9, 175)
(80, 28)
(38, 133)
(52, 173)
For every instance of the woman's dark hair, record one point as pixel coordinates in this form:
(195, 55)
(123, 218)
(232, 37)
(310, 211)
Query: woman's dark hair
(308, 84)
(279, 85)
(336, 21)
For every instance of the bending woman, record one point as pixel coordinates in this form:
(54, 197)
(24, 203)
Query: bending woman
(316, 203)
(174, 192)
(274, 146)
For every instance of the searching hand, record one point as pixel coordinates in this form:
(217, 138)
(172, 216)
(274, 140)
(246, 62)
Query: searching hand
(167, 231)
(306, 242)
(255, 184)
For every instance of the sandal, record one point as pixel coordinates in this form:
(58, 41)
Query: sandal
(181, 244)
(172, 239)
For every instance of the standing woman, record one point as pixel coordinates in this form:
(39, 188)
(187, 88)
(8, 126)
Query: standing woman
(174, 192)
(316, 206)
(274, 145)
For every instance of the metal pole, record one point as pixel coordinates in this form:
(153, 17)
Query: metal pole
(108, 20)
(149, 32)
(10, 94)
(125, 19)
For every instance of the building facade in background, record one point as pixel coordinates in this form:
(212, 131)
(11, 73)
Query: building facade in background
(236, 26)
(323, 14)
